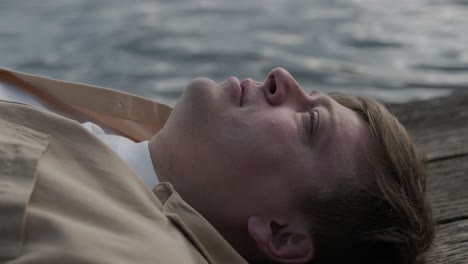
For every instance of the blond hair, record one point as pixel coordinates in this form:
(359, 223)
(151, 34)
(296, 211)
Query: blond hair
(388, 222)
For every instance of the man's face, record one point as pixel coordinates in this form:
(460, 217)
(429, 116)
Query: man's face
(252, 148)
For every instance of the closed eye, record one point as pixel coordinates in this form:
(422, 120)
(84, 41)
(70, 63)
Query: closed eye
(314, 118)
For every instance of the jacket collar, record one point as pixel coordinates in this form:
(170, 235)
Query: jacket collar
(201, 233)
(130, 115)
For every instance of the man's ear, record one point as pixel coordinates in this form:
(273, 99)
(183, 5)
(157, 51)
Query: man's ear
(286, 241)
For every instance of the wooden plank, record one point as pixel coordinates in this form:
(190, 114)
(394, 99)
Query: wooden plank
(442, 141)
(435, 112)
(451, 246)
(447, 187)
(439, 126)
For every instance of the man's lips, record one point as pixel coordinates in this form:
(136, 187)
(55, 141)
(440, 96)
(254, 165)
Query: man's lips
(237, 89)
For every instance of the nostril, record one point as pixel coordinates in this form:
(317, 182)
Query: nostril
(272, 86)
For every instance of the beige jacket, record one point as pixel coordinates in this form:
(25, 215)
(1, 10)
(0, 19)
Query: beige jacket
(65, 197)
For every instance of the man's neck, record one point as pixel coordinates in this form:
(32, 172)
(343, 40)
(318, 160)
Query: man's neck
(161, 160)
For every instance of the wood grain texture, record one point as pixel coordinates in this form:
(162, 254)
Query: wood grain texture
(451, 246)
(447, 186)
(439, 126)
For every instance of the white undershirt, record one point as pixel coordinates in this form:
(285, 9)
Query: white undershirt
(136, 155)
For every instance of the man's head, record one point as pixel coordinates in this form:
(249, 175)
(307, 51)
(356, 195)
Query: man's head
(267, 165)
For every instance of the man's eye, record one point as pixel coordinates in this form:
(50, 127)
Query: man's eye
(313, 121)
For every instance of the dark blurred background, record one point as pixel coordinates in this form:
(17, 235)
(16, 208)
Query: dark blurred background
(396, 50)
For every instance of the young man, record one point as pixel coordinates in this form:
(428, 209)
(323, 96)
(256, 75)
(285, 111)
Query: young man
(265, 173)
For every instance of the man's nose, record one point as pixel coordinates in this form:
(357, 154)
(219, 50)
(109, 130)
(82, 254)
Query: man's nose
(280, 87)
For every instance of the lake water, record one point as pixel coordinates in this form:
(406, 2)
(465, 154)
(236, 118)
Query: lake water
(395, 50)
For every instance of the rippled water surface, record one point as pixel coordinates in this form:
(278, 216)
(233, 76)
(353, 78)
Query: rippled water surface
(394, 50)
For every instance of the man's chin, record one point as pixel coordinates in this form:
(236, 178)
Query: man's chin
(197, 104)
(205, 95)
(201, 83)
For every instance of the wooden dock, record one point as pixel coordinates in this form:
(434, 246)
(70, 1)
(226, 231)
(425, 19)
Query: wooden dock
(440, 127)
